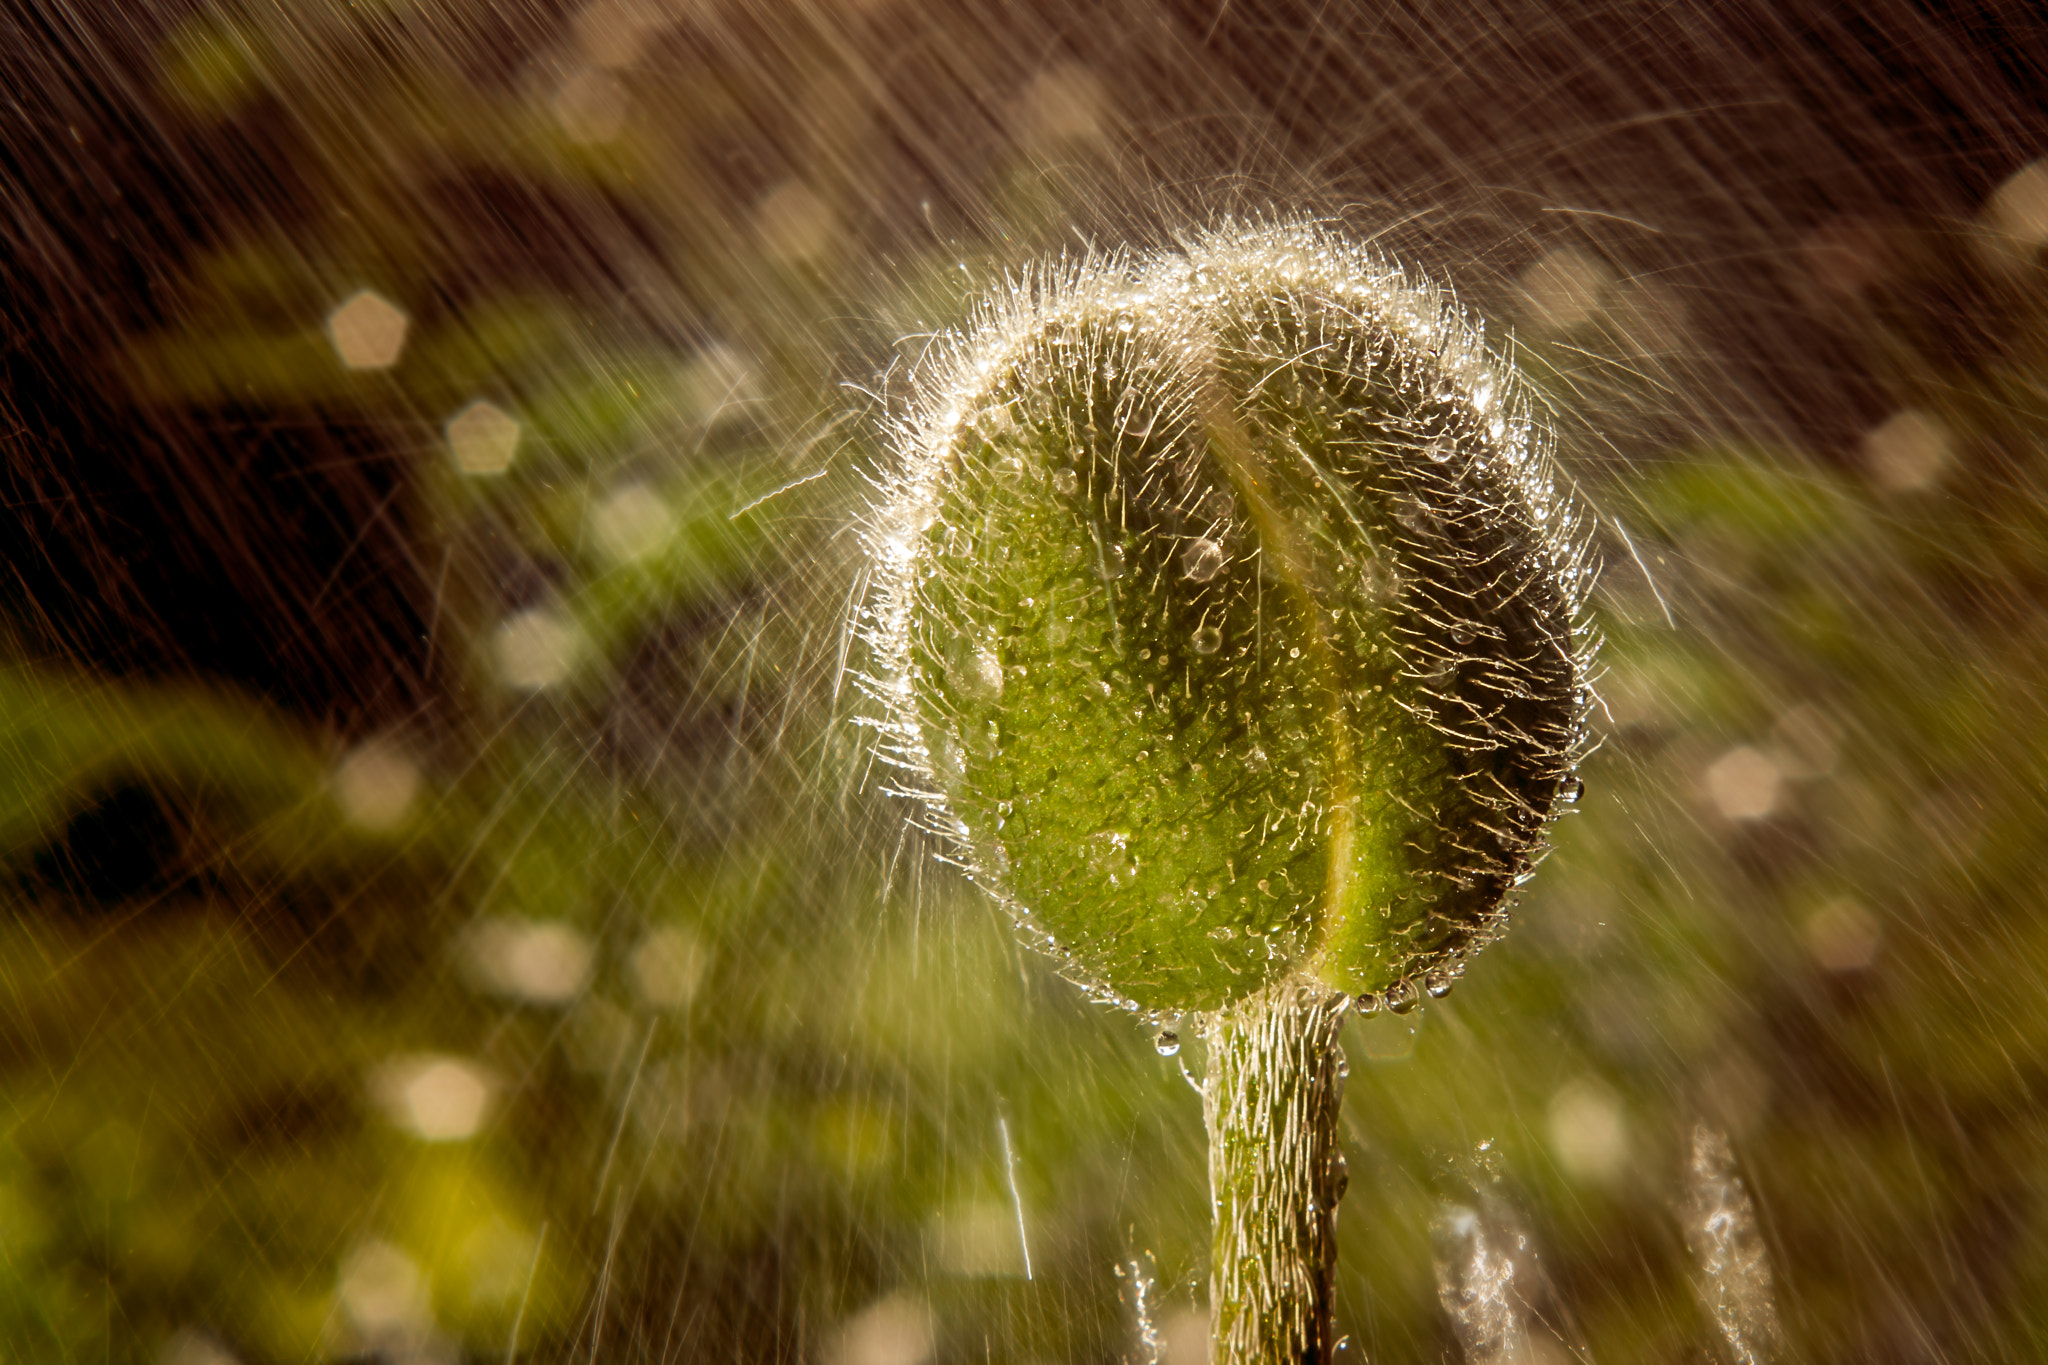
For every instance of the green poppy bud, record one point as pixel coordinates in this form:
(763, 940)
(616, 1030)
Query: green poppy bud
(1227, 621)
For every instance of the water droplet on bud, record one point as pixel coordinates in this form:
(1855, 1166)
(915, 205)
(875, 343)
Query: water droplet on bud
(979, 675)
(1570, 790)
(1206, 640)
(1135, 416)
(1168, 1042)
(1201, 560)
(1066, 482)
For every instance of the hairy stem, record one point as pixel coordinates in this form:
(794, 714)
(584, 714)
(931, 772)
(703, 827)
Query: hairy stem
(1276, 1172)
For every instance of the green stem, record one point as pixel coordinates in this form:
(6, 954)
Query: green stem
(1276, 1172)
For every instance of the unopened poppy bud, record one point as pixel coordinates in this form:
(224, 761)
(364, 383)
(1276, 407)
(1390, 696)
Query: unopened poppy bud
(1227, 620)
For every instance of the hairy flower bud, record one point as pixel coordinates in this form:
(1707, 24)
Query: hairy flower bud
(1227, 620)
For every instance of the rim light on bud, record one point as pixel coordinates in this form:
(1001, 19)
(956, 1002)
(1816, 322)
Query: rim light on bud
(1227, 620)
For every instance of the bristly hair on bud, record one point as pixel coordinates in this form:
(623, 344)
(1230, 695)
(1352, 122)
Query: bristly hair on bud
(1227, 619)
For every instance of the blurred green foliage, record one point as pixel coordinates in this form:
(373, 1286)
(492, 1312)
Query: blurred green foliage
(603, 1013)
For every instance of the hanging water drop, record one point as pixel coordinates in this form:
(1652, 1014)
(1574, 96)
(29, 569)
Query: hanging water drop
(1571, 789)
(1168, 1042)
